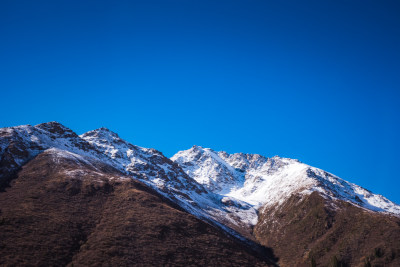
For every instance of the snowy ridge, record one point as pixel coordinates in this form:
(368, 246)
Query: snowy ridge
(225, 189)
(21, 143)
(146, 163)
(265, 182)
(167, 177)
(213, 172)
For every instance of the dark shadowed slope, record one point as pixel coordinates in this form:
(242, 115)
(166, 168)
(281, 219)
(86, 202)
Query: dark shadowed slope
(66, 209)
(314, 229)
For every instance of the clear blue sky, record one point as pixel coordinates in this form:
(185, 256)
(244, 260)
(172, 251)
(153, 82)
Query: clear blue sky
(314, 80)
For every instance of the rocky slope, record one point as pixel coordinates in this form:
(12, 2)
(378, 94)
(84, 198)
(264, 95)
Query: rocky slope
(167, 177)
(64, 209)
(20, 144)
(311, 229)
(298, 213)
(306, 214)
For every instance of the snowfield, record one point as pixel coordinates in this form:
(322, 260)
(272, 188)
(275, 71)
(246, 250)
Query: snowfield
(266, 182)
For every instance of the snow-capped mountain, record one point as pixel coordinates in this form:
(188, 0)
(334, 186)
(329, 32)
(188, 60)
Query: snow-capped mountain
(147, 164)
(159, 172)
(65, 208)
(276, 202)
(300, 210)
(227, 188)
(20, 144)
(261, 181)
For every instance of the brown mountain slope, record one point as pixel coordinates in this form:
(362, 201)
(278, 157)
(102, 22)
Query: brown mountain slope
(310, 231)
(64, 210)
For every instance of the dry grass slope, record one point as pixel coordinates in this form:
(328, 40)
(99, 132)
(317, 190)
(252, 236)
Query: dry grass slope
(48, 218)
(307, 231)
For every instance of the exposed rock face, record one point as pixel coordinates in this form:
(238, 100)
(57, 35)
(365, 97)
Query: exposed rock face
(66, 209)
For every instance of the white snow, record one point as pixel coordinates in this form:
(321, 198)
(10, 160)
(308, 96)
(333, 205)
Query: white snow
(265, 182)
(217, 186)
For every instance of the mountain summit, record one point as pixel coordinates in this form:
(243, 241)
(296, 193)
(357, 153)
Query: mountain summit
(260, 181)
(272, 209)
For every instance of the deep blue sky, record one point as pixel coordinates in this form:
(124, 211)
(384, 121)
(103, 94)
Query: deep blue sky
(314, 80)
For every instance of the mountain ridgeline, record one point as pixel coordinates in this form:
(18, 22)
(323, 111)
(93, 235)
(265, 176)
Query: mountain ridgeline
(97, 200)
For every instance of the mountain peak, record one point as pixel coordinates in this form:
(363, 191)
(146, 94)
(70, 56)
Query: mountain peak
(104, 129)
(54, 127)
(103, 133)
(197, 148)
(260, 181)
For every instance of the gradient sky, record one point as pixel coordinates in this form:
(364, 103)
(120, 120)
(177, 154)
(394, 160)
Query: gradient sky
(314, 80)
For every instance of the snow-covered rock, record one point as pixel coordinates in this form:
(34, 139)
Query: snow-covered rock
(226, 189)
(266, 182)
(21, 143)
(147, 164)
(153, 168)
